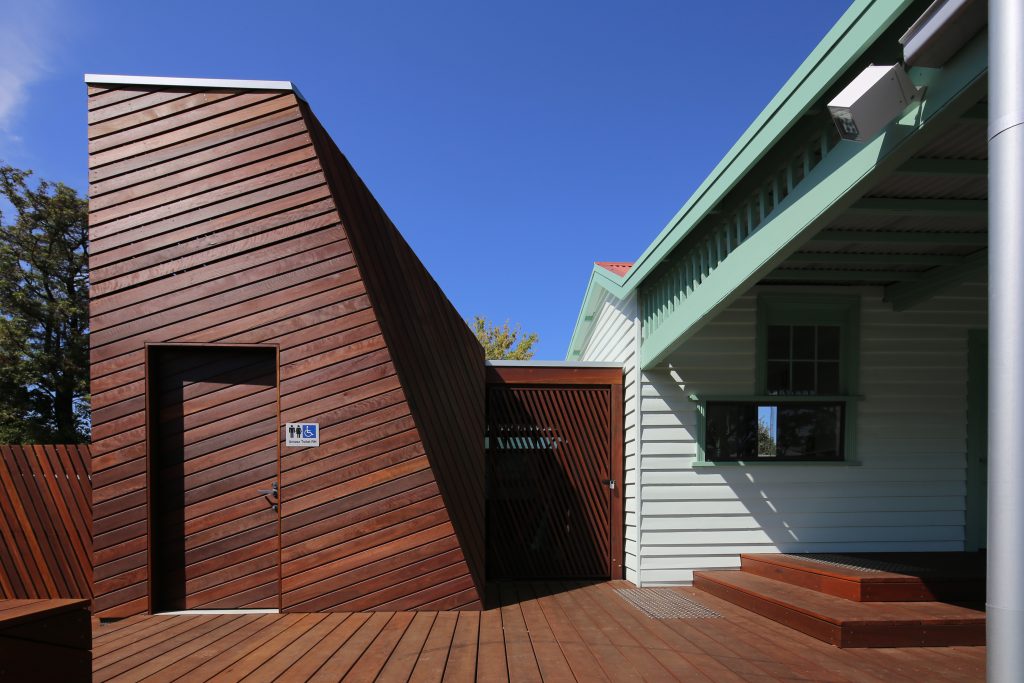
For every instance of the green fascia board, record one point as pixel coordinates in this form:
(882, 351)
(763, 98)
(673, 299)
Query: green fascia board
(855, 31)
(833, 186)
(600, 280)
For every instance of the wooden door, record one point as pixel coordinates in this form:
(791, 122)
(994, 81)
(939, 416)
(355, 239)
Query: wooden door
(214, 447)
(549, 495)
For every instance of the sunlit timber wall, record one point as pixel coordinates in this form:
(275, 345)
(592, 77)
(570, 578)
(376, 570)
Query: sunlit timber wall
(229, 216)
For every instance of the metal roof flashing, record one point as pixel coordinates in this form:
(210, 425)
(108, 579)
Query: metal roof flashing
(166, 82)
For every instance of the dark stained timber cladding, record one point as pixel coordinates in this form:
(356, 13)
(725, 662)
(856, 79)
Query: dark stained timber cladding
(439, 360)
(45, 538)
(212, 222)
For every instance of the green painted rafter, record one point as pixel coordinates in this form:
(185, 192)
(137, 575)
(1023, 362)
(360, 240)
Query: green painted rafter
(903, 237)
(909, 294)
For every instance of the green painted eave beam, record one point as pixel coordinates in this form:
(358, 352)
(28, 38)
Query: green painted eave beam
(850, 170)
(920, 207)
(945, 167)
(833, 276)
(903, 237)
(909, 294)
(878, 259)
(856, 30)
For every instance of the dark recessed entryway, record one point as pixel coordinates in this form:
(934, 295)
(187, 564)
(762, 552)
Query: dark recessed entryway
(215, 454)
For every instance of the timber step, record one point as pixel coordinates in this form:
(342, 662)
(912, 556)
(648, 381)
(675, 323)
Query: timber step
(846, 623)
(880, 577)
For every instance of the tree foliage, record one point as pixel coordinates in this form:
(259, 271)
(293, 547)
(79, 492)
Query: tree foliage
(44, 311)
(503, 342)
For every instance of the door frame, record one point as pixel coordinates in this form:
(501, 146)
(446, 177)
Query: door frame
(147, 376)
(584, 375)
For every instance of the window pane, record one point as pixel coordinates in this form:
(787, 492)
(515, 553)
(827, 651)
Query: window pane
(828, 342)
(828, 378)
(781, 431)
(778, 377)
(803, 342)
(778, 342)
(730, 431)
(767, 431)
(810, 432)
(803, 376)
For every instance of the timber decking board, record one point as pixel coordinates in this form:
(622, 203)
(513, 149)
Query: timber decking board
(228, 217)
(578, 631)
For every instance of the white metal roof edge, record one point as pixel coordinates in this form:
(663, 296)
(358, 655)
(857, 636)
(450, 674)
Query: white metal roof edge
(228, 83)
(551, 364)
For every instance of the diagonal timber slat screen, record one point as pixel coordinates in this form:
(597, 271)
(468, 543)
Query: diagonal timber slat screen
(45, 534)
(549, 461)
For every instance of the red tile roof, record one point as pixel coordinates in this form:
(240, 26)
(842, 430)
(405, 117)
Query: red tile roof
(620, 268)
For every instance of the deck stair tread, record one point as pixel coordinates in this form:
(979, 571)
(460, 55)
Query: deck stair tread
(935, 576)
(838, 610)
(846, 623)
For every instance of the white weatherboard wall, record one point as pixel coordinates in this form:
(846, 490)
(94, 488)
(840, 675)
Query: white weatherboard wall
(613, 338)
(907, 494)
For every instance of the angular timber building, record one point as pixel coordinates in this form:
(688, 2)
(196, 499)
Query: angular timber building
(242, 278)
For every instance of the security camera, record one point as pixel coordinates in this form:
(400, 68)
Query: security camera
(873, 99)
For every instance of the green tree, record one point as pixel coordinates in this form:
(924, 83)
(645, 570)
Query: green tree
(503, 342)
(44, 311)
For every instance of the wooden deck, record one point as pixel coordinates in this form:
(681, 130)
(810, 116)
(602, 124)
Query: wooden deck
(542, 631)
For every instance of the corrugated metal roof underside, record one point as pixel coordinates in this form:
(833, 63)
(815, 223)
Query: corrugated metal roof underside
(934, 217)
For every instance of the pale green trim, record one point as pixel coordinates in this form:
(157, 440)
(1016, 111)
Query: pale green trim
(812, 309)
(909, 294)
(832, 186)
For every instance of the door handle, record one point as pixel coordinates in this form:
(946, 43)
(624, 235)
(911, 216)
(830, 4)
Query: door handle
(272, 491)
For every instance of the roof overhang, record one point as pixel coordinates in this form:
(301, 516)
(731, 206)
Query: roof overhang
(855, 31)
(167, 82)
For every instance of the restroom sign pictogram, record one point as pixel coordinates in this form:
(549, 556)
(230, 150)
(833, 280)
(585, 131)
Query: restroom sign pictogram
(302, 434)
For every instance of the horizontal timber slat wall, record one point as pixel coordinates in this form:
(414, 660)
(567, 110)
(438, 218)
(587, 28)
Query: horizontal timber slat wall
(226, 216)
(45, 535)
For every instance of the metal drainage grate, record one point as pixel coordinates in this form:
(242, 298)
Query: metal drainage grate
(665, 603)
(864, 564)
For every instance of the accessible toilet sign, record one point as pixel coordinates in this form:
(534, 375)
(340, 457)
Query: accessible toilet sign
(302, 434)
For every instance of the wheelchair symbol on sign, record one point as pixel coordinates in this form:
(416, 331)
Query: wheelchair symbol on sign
(308, 431)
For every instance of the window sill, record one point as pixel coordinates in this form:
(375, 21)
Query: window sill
(776, 463)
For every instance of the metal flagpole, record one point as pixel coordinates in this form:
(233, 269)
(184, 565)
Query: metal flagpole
(1005, 601)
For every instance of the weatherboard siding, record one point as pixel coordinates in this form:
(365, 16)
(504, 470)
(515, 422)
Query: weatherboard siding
(613, 338)
(907, 493)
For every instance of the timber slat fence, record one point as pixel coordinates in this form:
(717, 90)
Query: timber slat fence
(45, 522)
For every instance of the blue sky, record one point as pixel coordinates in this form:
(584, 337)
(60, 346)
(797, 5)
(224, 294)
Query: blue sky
(512, 143)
